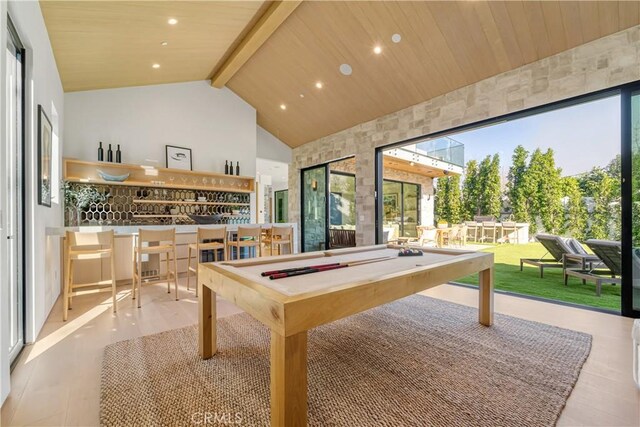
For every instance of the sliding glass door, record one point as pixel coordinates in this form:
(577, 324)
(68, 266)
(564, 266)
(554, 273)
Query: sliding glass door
(314, 208)
(631, 249)
(401, 209)
(13, 218)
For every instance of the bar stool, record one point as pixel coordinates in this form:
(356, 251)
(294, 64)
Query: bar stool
(246, 237)
(157, 242)
(207, 239)
(281, 236)
(472, 227)
(83, 247)
(489, 226)
(266, 239)
(508, 228)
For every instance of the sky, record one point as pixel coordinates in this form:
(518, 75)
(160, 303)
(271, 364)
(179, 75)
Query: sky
(582, 136)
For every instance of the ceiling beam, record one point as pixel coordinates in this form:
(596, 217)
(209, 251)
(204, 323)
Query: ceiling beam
(275, 15)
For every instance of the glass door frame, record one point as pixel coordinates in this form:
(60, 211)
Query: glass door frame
(19, 205)
(326, 204)
(418, 207)
(626, 94)
(624, 91)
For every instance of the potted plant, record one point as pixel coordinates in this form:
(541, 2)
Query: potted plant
(79, 197)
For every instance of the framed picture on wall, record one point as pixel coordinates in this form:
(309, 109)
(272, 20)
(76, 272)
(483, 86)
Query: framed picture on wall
(45, 138)
(178, 157)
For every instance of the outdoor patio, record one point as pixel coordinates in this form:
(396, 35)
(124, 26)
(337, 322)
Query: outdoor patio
(508, 277)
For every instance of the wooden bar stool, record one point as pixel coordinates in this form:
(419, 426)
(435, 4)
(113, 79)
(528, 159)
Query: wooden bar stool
(246, 237)
(157, 242)
(281, 236)
(83, 247)
(207, 239)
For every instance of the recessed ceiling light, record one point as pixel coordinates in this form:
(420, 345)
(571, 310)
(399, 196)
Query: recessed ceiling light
(302, 95)
(319, 85)
(172, 21)
(412, 164)
(377, 50)
(156, 66)
(346, 69)
(396, 38)
(283, 107)
(164, 43)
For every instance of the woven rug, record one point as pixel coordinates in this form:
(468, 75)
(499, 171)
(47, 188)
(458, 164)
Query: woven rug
(417, 361)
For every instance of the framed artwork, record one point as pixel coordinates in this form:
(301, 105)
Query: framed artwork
(178, 157)
(45, 138)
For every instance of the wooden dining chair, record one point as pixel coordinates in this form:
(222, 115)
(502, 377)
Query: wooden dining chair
(154, 242)
(281, 236)
(207, 239)
(489, 229)
(246, 237)
(82, 246)
(509, 228)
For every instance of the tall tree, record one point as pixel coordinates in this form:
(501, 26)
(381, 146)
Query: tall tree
(449, 201)
(517, 191)
(549, 194)
(575, 209)
(470, 190)
(454, 202)
(490, 201)
(440, 200)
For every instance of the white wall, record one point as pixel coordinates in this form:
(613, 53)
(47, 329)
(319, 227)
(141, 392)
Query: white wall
(215, 123)
(42, 87)
(271, 148)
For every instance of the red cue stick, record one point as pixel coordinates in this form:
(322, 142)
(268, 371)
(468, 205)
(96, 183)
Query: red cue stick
(290, 270)
(327, 267)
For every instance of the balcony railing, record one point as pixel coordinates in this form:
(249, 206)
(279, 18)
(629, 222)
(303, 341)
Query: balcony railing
(444, 149)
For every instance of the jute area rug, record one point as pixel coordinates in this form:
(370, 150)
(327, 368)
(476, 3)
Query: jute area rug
(417, 361)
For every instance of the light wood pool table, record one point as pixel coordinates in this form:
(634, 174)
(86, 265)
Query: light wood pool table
(291, 306)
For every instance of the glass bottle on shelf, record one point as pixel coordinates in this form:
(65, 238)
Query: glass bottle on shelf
(109, 154)
(100, 152)
(226, 167)
(238, 168)
(118, 155)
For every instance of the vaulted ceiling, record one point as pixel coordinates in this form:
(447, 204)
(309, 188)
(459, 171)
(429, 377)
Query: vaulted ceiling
(107, 44)
(444, 46)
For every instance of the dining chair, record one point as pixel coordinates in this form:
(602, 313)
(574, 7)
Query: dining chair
(489, 231)
(281, 236)
(154, 242)
(83, 246)
(210, 239)
(472, 227)
(246, 237)
(509, 228)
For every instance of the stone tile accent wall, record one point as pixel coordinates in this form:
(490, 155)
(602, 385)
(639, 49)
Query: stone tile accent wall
(600, 64)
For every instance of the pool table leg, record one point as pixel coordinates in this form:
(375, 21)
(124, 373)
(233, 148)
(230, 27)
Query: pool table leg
(486, 297)
(207, 321)
(288, 379)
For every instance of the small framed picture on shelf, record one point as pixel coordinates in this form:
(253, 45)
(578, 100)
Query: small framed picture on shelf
(178, 157)
(45, 137)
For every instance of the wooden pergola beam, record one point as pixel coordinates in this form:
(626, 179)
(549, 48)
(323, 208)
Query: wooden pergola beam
(268, 23)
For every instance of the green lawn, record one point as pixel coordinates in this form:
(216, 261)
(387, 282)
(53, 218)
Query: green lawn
(508, 277)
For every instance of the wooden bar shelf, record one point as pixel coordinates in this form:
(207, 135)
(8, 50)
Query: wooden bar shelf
(83, 171)
(145, 198)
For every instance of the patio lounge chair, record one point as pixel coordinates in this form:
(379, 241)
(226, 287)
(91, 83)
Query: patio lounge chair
(610, 253)
(556, 247)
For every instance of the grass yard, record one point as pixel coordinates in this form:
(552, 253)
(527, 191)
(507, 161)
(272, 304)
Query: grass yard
(508, 277)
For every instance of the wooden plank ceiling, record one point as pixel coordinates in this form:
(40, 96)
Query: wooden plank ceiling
(444, 46)
(107, 44)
